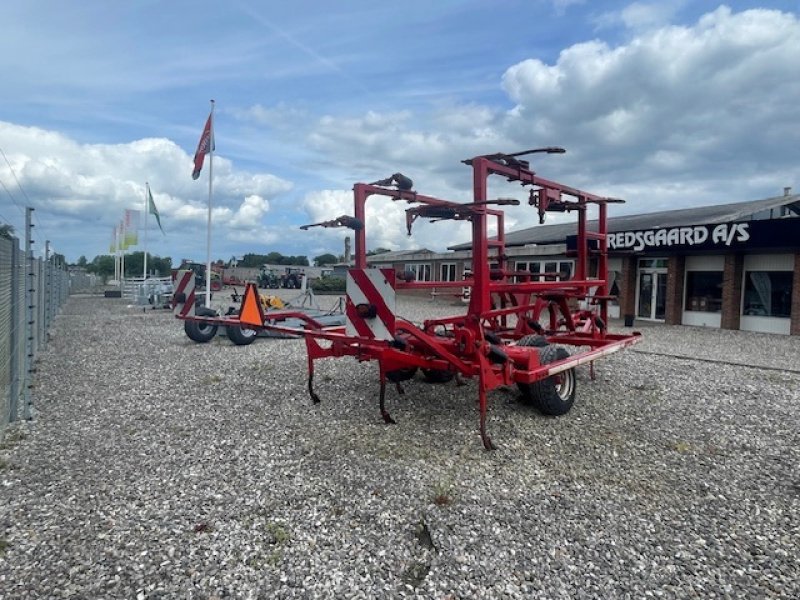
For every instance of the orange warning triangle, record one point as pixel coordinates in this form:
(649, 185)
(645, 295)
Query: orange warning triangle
(250, 313)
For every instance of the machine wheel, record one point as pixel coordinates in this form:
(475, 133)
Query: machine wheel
(201, 332)
(241, 336)
(555, 395)
(538, 341)
(437, 375)
(399, 375)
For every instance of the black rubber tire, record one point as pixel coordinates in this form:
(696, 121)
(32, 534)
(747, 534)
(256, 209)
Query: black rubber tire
(555, 395)
(437, 375)
(241, 336)
(201, 332)
(535, 340)
(399, 375)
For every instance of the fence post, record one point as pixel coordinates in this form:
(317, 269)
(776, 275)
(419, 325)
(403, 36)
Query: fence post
(30, 288)
(16, 332)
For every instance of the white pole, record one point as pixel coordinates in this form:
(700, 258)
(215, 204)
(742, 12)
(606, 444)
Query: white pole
(116, 253)
(121, 252)
(146, 190)
(208, 233)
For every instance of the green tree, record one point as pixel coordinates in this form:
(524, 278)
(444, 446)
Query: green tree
(102, 266)
(81, 261)
(134, 265)
(6, 231)
(378, 251)
(325, 259)
(300, 261)
(252, 260)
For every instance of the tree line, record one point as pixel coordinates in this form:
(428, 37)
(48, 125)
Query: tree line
(103, 265)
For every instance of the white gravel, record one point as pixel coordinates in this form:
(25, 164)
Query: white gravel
(160, 468)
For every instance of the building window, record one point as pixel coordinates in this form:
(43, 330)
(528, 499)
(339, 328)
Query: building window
(547, 270)
(447, 272)
(652, 263)
(421, 271)
(767, 294)
(704, 291)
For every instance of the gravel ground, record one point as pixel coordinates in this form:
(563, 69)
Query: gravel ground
(160, 468)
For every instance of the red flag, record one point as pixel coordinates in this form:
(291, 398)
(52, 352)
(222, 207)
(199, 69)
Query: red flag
(204, 146)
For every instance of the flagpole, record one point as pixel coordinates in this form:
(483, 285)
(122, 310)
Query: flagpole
(208, 232)
(124, 235)
(146, 189)
(116, 253)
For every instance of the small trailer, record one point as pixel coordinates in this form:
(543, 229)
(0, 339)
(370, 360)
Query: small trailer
(202, 324)
(516, 328)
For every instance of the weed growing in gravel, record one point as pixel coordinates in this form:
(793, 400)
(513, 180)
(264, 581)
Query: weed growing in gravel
(681, 446)
(3, 546)
(12, 437)
(278, 533)
(442, 493)
(213, 379)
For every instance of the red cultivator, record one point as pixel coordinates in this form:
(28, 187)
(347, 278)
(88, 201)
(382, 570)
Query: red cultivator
(515, 328)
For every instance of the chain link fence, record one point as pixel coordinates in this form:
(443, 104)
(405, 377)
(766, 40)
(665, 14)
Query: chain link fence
(32, 291)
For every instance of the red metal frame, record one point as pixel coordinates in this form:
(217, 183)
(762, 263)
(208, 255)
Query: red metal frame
(504, 305)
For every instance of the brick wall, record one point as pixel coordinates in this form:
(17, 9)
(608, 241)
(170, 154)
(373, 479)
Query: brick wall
(795, 325)
(732, 291)
(675, 277)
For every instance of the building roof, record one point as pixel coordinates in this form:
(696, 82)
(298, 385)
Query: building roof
(399, 255)
(703, 215)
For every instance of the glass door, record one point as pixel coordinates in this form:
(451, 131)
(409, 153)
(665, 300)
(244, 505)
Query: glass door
(652, 295)
(645, 305)
(660, 300)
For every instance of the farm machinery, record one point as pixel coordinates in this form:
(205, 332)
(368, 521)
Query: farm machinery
(291, 278)
(516, 329)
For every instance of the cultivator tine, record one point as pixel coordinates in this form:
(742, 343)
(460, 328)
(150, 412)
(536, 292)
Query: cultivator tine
(311, 392)
(483, 401)
(487, 441)
(400, 389)
(387, 418)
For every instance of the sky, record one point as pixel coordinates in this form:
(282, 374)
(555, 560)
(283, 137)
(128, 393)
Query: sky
(666, 104)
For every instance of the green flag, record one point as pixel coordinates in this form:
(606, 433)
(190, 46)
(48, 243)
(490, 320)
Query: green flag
(151, 208)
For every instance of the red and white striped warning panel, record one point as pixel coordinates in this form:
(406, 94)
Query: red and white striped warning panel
(370, 305)
(183, 296)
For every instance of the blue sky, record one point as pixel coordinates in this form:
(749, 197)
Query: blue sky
(668, 104)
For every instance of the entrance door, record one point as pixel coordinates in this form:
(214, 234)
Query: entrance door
(652, 303)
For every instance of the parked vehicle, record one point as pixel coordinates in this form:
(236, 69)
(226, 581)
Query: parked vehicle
(199, 270)
(268, 278)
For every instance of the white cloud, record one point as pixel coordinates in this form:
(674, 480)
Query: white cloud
(639, 16)
(252, 209)
(674, 115)
(708, 103)
(562, 5)
(93, 184)
(677, 116)
(385, 223)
